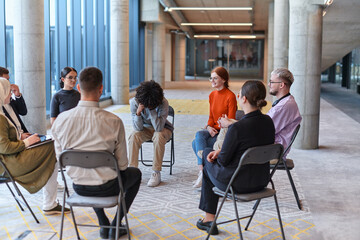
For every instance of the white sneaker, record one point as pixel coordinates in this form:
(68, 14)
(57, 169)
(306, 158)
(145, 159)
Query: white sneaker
(155, 179)
(198, 181)
(60, 187)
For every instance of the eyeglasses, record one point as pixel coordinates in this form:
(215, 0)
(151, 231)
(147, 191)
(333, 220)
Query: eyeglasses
(271, 82)
(213, 78)
(72, 78)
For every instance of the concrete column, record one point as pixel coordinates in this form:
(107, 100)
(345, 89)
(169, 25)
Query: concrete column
(119, 48)
(281, 33)
(180, 55)
(270, 47)
(305, 46)
(158, 54)
(29, 60)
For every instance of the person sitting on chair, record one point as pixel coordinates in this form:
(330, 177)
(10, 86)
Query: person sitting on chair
(90, 128)
(32, 168)
(149, 110)
(284, 112)
(253, 129)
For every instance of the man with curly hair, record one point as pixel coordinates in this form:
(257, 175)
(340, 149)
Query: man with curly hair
(149, 110)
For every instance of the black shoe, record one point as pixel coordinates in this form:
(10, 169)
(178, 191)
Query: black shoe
(207, 226)
(112, 232)
(56, 210)
(104, 233)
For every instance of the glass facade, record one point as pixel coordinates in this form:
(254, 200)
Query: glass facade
(242, 58)
(77, 34)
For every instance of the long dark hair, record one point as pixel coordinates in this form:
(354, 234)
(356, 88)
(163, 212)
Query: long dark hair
(64, 72)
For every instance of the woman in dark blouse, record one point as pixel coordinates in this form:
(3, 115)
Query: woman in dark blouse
(253, 129)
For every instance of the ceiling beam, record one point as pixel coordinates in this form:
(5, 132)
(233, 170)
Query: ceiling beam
(178, 17)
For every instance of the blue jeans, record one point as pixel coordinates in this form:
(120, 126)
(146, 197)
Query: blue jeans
(202, 140)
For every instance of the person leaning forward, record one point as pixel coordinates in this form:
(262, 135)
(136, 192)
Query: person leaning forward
(149, 110)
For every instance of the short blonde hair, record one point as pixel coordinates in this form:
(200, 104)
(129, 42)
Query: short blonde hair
(284, 74)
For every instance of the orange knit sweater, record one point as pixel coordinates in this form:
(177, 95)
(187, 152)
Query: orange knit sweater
(221, 102)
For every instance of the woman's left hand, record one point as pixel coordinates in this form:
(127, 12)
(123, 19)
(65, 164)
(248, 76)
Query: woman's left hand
(212, 156)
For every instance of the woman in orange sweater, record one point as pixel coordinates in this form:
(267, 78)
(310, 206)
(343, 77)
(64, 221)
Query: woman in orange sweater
(222, 101)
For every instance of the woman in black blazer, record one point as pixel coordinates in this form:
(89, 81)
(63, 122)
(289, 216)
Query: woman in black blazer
(253, 129)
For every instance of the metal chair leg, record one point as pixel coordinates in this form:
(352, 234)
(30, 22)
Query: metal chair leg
(25, 202)
(123, 205)
(237, 215)
(12, 193)
(293, 187)
(216, 217)
(252, 215)
(278, 213)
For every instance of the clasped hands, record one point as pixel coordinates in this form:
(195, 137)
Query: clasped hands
(223, 121)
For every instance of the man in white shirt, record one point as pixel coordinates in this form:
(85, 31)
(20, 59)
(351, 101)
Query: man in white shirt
(88, 127)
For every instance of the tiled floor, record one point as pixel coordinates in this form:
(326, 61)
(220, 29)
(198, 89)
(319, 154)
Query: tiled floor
(169, 211)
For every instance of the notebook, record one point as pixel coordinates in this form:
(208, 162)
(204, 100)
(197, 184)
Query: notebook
(44, 139)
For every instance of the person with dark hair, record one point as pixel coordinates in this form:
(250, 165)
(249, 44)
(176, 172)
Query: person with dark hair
(99, 130)
(222, 102)
(67, 98)
(149, 110)
(16, 106)
(253, 129)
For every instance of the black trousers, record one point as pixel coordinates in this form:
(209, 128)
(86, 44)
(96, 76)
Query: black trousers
(131, 179)
(209, 200)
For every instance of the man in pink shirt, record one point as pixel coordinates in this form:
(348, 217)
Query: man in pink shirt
(284, 112)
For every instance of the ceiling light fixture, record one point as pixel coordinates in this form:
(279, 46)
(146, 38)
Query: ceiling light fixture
(169, 9)
(206, 36)
(234, 36)
(218, 24)
(242, 36)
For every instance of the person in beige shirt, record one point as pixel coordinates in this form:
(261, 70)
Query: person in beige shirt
(88, 127)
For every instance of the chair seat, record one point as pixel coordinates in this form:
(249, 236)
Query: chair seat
(97, 202)
(289, 164)
(247, 197)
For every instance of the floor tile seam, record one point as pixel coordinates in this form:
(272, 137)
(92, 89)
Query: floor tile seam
(144, 224)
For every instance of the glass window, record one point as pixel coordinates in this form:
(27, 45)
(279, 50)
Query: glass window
(242, 58)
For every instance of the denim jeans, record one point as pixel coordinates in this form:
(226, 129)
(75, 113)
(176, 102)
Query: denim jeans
(202, 140)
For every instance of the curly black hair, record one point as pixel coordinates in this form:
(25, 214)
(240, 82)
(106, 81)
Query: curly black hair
(150, 94)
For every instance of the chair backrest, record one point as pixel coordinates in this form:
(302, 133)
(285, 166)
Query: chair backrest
(293, 136)
(88, 159)
(258, 155)
(171, 114)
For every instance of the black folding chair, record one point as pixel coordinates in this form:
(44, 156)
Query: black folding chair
(255, 155)
(6, 178)
(287, 165)
(92, 159)
(166, 163)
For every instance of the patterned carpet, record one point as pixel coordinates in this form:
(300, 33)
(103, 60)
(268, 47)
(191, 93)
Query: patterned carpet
(169, 211)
